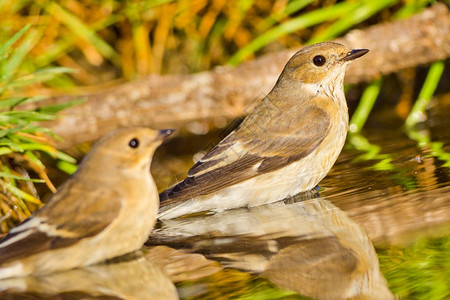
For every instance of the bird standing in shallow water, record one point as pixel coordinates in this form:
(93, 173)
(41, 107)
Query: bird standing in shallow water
(107, 208)
(286, 145)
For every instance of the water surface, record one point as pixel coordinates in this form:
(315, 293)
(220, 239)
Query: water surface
(378, 226)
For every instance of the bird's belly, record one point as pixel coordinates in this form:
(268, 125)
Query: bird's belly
(297, 177)
(128, 235)
(125, 234)
(263, 189)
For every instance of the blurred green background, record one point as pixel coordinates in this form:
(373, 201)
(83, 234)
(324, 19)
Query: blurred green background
(105, 40)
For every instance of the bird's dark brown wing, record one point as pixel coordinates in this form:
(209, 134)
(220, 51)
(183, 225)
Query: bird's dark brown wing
(251, 150)
(62, 222)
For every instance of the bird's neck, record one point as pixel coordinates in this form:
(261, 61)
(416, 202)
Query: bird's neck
(114, 172)
(289, 98)
(332, 88)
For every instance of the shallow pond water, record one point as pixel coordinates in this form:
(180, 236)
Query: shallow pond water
(393, 183)
(378, 226)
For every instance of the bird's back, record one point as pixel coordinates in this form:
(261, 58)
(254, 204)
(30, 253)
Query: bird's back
(252, 150)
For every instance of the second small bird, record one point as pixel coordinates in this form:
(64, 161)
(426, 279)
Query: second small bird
(286, 145)
(106, 209)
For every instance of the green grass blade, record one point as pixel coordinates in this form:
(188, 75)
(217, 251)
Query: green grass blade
(30, 155)
(9, 67)
(144, 6)
(371, 152)
(21, 194)
(422, 137)
(417, 113)
(80, 29)
(67, 167)
(4, 48)
(295, 6)
(291, 7)
(9, 175)
(10, 103)
(63, 46)
(411, 7)
(53, 109)
(64, 157)
(5, 150)
(10, 131)
(365, 10)
(303, 21)
(365, 106)
(36, 129)
(21, 116)
(12, 147)
(39, 76)
(49, 150)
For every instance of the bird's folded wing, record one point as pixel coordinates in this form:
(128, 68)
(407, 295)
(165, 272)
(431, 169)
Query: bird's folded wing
(61, 223)
(251, 151)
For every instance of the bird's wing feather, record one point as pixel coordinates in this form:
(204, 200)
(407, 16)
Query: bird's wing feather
(252, 150)
(61, 223)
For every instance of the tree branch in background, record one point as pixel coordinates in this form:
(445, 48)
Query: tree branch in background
(226, 92)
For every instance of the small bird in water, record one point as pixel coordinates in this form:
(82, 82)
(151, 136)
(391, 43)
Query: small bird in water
(107, 208)
(286, 145)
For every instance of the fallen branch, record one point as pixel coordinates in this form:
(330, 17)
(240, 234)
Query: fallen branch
(226, 92)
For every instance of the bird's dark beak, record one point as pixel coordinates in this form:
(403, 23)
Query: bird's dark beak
(164, 133)
(355, 53)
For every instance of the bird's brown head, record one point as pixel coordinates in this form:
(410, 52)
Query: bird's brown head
(125, 149)
(320, 63)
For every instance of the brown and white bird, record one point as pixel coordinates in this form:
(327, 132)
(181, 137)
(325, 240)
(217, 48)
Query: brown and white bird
(286, 145)
(105, 209)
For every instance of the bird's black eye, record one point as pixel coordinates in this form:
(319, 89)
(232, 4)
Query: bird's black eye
(319, 60)
(134, 143)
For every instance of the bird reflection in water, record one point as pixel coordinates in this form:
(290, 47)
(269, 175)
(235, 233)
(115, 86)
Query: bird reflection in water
(129, 277)
(302, 243)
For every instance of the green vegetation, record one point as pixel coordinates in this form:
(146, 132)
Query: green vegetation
(419, 271)
(109, 39)
(22, 141)
(417, 113)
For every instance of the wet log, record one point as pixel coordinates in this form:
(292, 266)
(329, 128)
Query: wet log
(227, 92)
